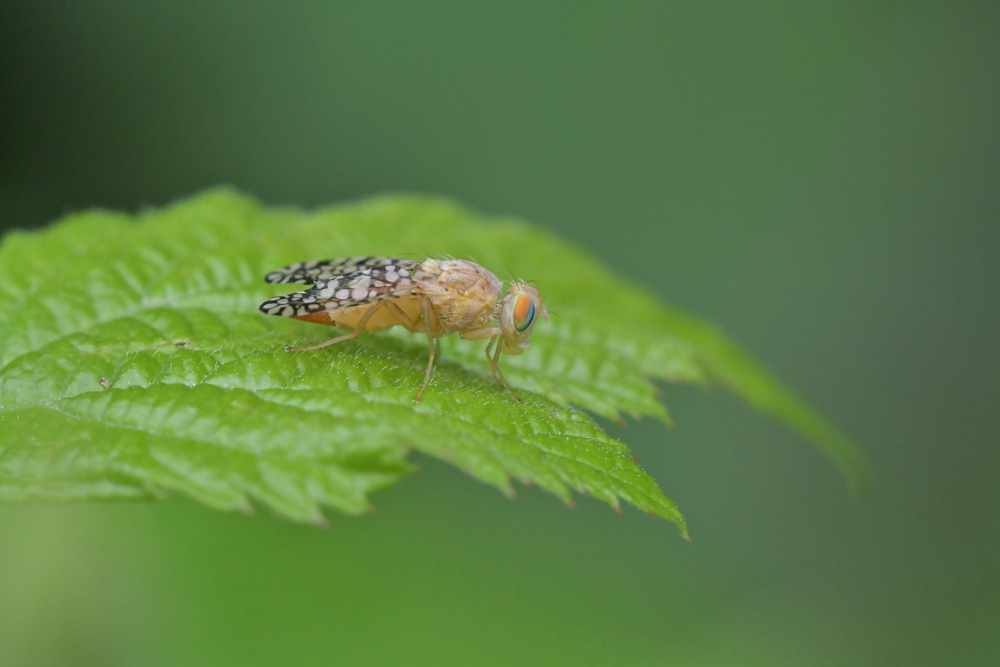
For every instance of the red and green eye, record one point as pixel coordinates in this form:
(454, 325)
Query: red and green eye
(524, 312)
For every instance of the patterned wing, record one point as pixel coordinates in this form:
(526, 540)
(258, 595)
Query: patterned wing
(352, 289)
(310, 273)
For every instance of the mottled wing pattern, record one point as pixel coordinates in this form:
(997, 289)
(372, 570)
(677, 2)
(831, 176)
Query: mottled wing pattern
(309, 273)
(351, 289)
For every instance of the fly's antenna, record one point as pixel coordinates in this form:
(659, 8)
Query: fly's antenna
(548, 308)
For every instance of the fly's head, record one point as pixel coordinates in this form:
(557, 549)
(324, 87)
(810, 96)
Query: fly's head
(519, 309)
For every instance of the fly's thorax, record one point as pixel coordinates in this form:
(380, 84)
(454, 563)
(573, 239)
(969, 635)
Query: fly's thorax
(467, 295)
(519, 310)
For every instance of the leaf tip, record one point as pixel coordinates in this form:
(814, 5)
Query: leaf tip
(682, 526)
(861, 479)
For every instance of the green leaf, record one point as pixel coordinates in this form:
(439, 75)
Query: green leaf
(134, 362)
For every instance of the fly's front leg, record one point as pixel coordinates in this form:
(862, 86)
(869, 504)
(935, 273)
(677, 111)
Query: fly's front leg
(480, 334)
(493, 357)
(429, 328)
(489, 360)
(358, 330)
(495, 366)
(493, 333)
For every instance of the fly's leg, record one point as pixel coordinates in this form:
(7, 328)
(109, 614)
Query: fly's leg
(489, 359)
(489, 351)
(358, 330)
(479, 334)
(408, 322)
(495, 367)
(492, 358)
(429, 328)
(411, 325)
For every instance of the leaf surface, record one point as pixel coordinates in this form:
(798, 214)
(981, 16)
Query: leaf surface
(134, 362)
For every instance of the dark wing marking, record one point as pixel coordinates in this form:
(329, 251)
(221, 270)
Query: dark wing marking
(309, 273)
(352, 289)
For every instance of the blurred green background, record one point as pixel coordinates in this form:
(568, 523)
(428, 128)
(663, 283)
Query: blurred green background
(820, 179)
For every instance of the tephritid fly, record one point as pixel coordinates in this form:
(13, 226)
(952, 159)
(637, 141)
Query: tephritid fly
(439, 297)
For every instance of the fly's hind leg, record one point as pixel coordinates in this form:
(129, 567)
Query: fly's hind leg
(358, 330)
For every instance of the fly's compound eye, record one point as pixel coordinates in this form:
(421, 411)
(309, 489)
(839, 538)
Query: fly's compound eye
(524, 313)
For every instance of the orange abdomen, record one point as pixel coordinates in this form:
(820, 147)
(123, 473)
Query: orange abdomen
(385, 318)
